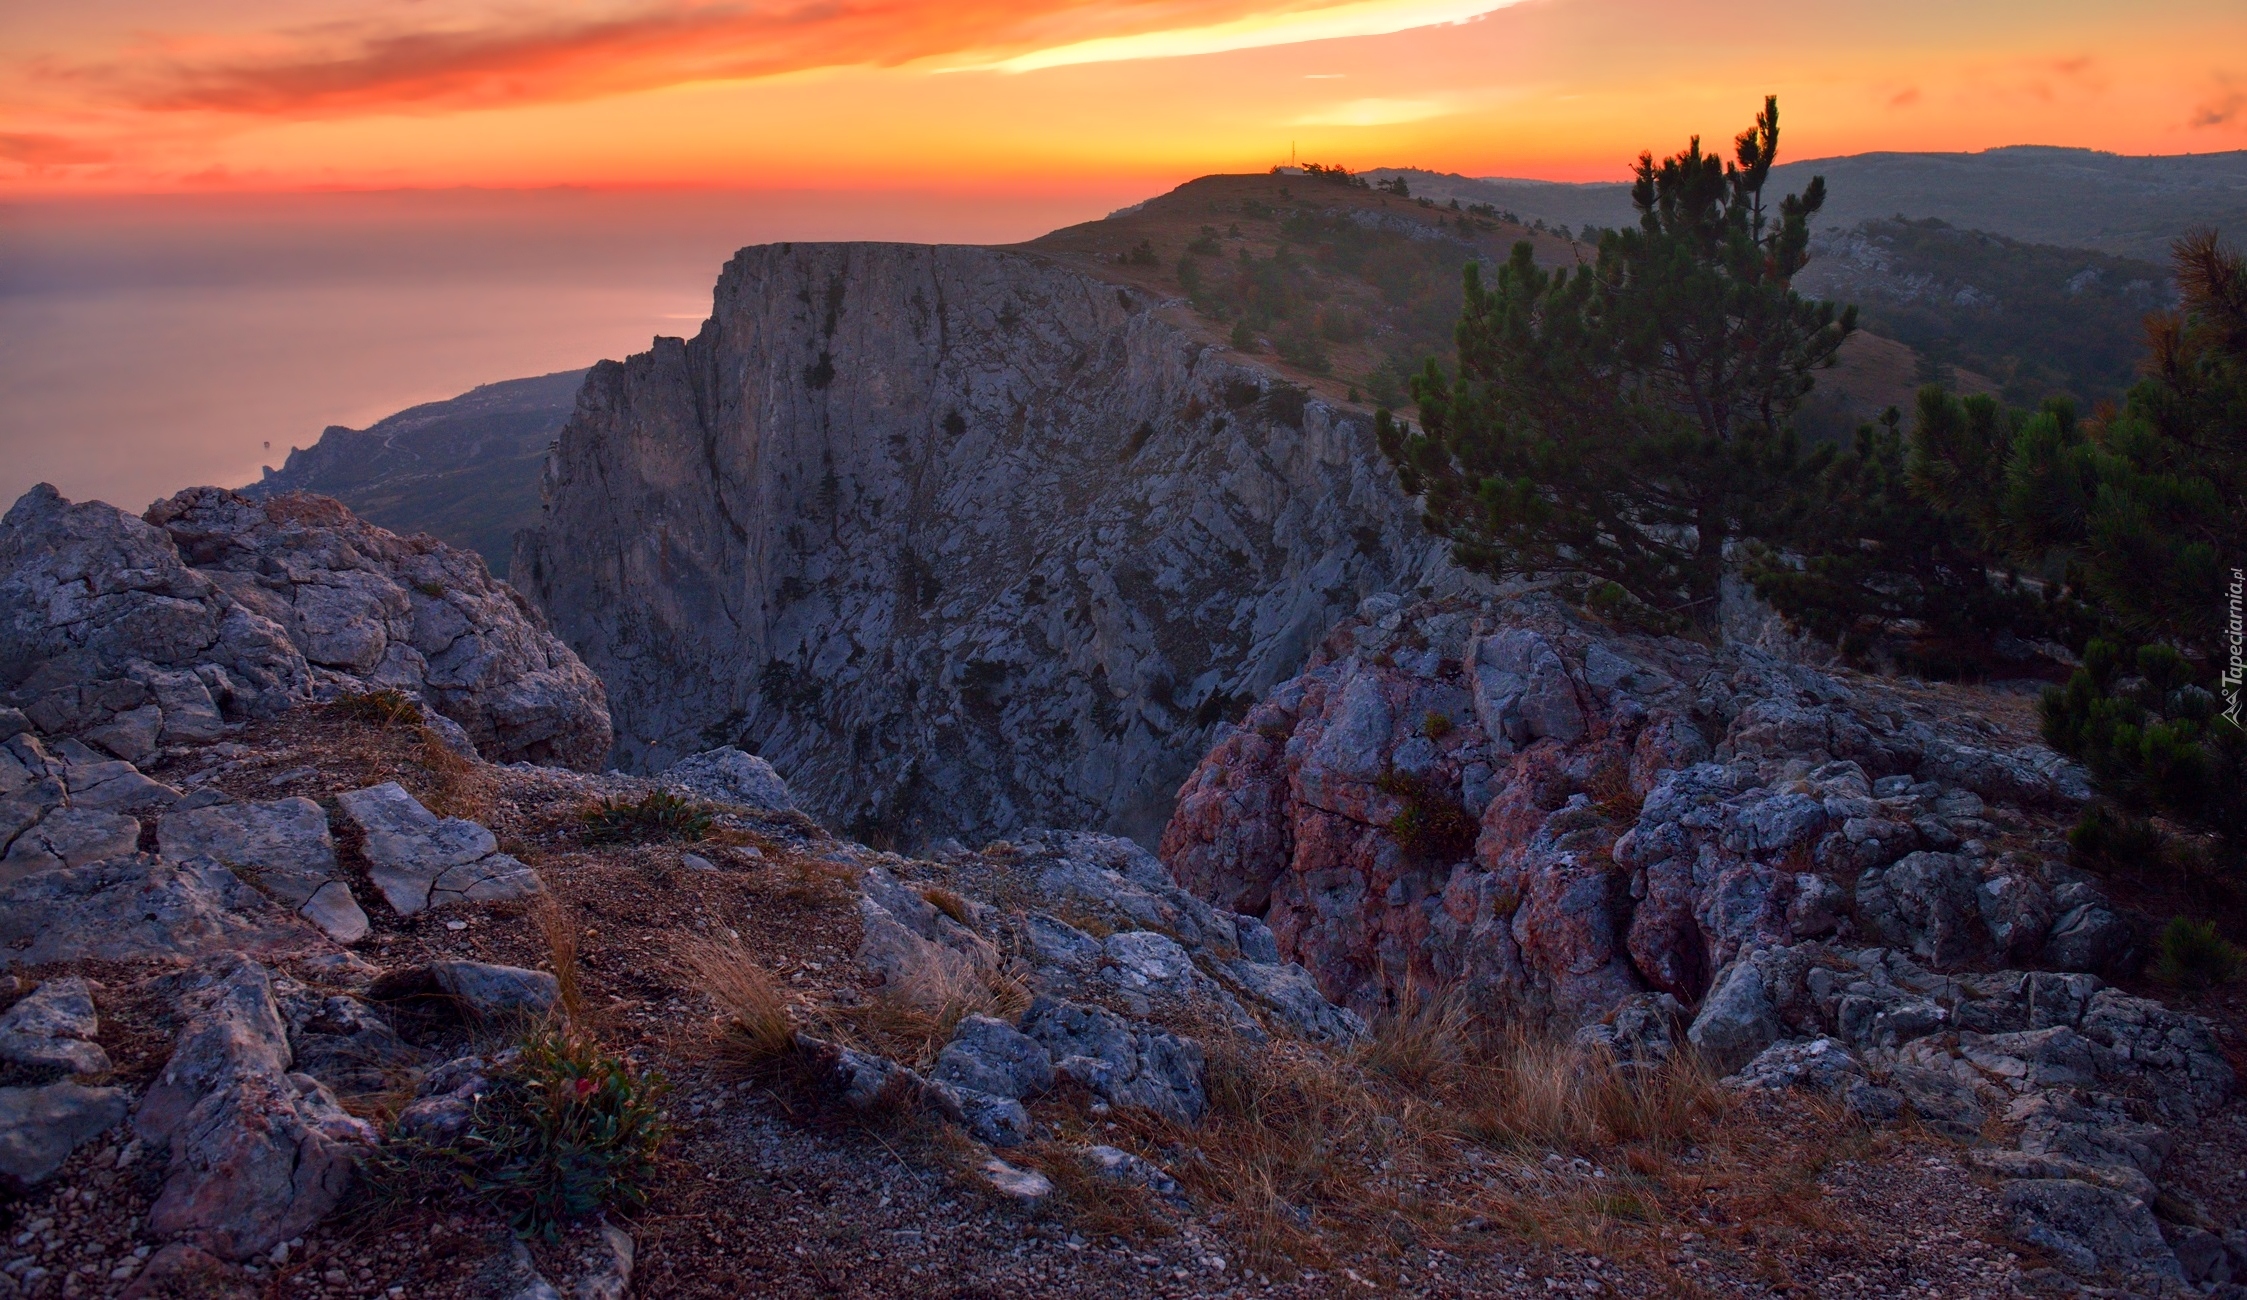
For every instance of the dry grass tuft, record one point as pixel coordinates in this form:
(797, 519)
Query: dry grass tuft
(456, 788)
(757, 1029)
(816, 882)
(949, 903)
(1535, 1092)
(557, 924)
(911, 1018)
(1101, 1206)
(1421, 1044)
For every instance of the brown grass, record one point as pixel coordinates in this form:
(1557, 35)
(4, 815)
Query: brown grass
(1313, 1158)
(949, 903)
(1534, 1092)
(816, 882)
(756, 1028)
(911, 1018)
(557, 924)
(456, 787)
(1417, 1046)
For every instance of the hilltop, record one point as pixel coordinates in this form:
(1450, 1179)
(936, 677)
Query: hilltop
(2081, 198)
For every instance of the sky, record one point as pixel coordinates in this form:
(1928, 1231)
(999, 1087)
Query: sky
(225, 224)
(1003, 96)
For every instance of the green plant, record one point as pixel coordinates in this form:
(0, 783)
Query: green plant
(1244, 336)
(2194, 956)
(655, 818)
(569, 1131)
(383, 707)
(1436, 725)
(1431, 825)
(1627, 419)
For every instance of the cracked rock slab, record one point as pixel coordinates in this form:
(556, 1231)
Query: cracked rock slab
(421, 861)
(283, 847)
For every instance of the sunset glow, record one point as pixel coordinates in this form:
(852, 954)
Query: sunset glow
(1054, 94)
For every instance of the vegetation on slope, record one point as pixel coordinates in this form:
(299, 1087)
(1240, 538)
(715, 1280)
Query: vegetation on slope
(1633, 420)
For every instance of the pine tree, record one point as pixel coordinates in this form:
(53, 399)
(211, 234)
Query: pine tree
(1626, 419)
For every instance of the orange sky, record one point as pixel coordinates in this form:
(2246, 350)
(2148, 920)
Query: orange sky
(1005, 95)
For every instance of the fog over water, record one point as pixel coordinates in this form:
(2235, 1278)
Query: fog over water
(150, 344)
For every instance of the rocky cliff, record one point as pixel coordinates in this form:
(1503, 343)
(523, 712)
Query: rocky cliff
(960, 539)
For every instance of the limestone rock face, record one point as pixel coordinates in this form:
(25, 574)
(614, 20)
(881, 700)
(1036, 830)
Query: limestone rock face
(135, 634)
(1559, 816)
(958, 539)
(138, 907)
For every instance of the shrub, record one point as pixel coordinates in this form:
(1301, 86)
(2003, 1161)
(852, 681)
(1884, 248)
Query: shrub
(2194, 956)
(1244, 338)
(383, 707)
(2109, 840)
(568, 1132)
(656, 818)
(1431, 826)
(1436, 725)
(1610, 601)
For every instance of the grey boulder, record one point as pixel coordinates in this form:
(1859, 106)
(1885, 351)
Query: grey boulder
(129, 909)
(69, 837)
(491, 992)
(730, 776)
(990, 1055)
(258, 1154)
(1736, 1020)
(53, 1028)
(1123, 1063)
(2089, 1226)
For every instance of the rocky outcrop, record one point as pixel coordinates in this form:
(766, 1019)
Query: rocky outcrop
(1558, 815)
(959, 539)
(403, 612)
(135, 635)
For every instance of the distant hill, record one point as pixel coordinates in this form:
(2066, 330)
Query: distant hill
(463, 470)
(2077, 198)
(2037, 320)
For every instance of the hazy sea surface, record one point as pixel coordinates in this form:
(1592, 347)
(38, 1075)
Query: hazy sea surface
(151, 344)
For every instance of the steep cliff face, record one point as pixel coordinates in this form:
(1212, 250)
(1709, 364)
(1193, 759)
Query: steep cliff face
(958, 538)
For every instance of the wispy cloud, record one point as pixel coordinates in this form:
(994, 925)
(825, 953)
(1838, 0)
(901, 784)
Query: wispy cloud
(1258, 31)
(2227, 105)
(376, 65)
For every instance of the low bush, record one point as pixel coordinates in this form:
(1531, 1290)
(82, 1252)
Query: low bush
(2195, 956)
(656, 818)
(568, 1132)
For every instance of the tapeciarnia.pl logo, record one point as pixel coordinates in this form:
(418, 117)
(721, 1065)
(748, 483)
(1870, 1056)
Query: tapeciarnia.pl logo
(2236, 634)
